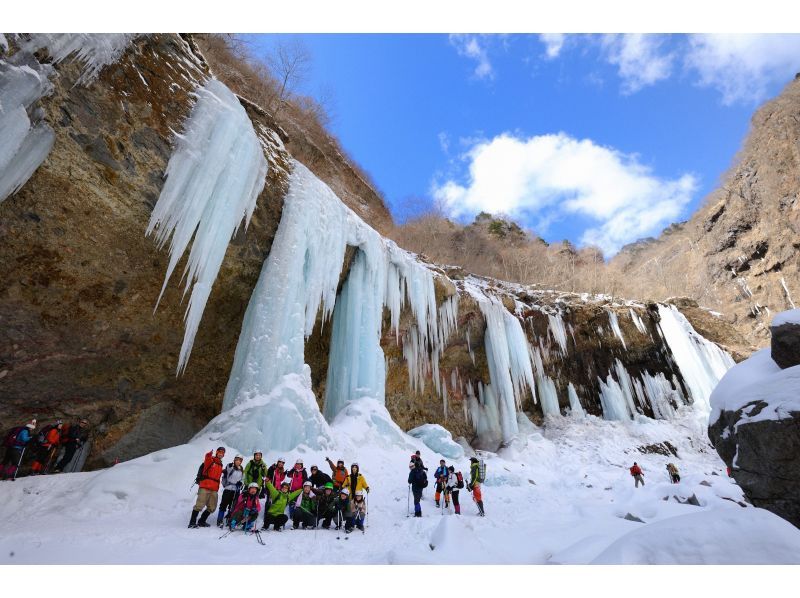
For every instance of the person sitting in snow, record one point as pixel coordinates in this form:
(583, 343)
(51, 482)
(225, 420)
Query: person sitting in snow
(418, 480)
(452, 486)
(637, 474)
(247, 508)
(232, 477)
(279, 498)
(305, 508)
(318, 478)
(440, 475)
(326, 507)
(674, 476)
(355, 481)
(208, 482)
(358, 512)
(339, 473)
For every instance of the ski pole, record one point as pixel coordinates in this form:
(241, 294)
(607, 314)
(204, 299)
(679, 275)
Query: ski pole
(366, 515)
(408, 501)
(19, 463)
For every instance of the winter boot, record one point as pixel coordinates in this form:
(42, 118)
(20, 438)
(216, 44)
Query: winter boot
(193, 520)
(203, 517)
(458, 509)
(220, 517)
(480, 508)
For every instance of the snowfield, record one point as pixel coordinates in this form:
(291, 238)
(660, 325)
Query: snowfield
(559, 494)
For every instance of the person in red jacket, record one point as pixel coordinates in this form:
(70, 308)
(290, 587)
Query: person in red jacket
(208, 480)
(46, 447)
(637, 474)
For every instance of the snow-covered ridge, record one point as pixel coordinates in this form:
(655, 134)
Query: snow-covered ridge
(214, 178)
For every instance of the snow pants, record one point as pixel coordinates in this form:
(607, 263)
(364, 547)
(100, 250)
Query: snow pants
(476, 492)
(69, 452)
(417, 497)
(43, 456)
(638, 478)
(246, 516)
(207, 499)
(300, 516)
(10, 462)
(454, 494)
(229, 498)
(675, 478)
(277, 520)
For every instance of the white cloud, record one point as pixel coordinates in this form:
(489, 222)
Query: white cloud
(741, 67)
(639, 59)
(553, 42)
(471, 47)
(547, 177)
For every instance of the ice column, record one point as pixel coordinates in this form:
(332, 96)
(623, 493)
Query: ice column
(214, 178)
(702, 363)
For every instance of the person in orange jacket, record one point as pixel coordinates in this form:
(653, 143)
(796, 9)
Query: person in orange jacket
(46, 446)
(208, 479)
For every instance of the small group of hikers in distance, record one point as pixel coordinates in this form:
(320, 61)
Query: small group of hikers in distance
(317, 499)
(448, 482)
(638, 474)
(43, 446)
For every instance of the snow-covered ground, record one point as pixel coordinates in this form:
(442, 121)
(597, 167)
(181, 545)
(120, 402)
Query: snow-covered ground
(559, 494)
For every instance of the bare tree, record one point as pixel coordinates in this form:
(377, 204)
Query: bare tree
(290, 64)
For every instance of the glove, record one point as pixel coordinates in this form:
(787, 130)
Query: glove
(367, 489)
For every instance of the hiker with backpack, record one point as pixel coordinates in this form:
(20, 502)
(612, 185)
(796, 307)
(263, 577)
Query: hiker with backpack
(318, 478)
(73, 438)
(355, 481)
(637, 473)
(418, 480)
(255, 471)
(339, 473)
(326, 504)
(208, 477)
(305, 508)
(440, 475)
(275, 515)
(477, 473)
(455, 481)
(232, 477)
(674, 476)
(47, 441)
(247, 508)
(15, 442)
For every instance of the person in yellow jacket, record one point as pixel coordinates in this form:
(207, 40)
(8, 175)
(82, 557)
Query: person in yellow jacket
(355, 481)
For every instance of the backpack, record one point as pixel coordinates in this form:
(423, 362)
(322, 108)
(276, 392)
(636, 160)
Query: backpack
(201, 473)
(420, 478)
(459, 479)
(481, 471)
(42, 437)
(11, 436)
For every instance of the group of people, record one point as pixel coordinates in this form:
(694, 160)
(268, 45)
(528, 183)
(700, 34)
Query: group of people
(448, 483)
(638, 474)
(311, 499)
(44, 446)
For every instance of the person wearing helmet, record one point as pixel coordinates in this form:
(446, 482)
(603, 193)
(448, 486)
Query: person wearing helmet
(305, 508)
(297, 476)
(318, 478)
(255, 471)
(355, 481)
(16, 440)
(207, 479)
(232, 477)
(326, 509)
(342, 507)
(440, 475)
(339, 472)
(279, 499)
(247, 508)
(47, 441)
(358, 511)
(276, 474)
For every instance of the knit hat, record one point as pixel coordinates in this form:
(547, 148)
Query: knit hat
(31, 424)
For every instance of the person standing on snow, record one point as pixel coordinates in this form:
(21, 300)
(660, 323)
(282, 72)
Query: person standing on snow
(46, 446)
(674, 476)
(339, 473)
(276, 472)
(16, 440)
(342, 507)
(279, 498)
(297, 476)
(247, 508)
(355, 481)
(255, 471)
(318, 478)
(232, 477)
(73, 438)
(474, 485)
(208, 480)
(440, 475)
(452, 487)
(637, 474)
(305, 508)
(418, 480)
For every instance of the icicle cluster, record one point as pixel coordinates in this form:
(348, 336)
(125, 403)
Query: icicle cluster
(214, 178)
(614, 321)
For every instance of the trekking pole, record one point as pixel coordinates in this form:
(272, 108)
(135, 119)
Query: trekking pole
(366, 515)
(408, 501)
(50, 456)
(19, 463)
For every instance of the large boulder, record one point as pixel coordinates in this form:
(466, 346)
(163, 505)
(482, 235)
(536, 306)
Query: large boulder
(785, 345)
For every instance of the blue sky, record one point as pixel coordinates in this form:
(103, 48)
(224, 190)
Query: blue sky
(595, 139)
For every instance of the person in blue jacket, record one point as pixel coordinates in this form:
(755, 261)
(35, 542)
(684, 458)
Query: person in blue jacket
(418, 480)
(15, 442)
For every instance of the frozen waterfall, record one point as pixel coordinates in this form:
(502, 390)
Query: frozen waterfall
(214, 178)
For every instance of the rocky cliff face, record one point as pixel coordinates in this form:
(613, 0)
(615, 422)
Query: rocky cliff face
(738, 254)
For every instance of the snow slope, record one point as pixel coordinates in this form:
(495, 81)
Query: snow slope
(558, 494)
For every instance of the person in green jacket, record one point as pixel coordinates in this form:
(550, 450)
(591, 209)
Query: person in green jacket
(306, 508)
(275, 515)
(256, 471)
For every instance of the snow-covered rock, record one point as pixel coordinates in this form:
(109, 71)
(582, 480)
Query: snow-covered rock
(438, 440)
